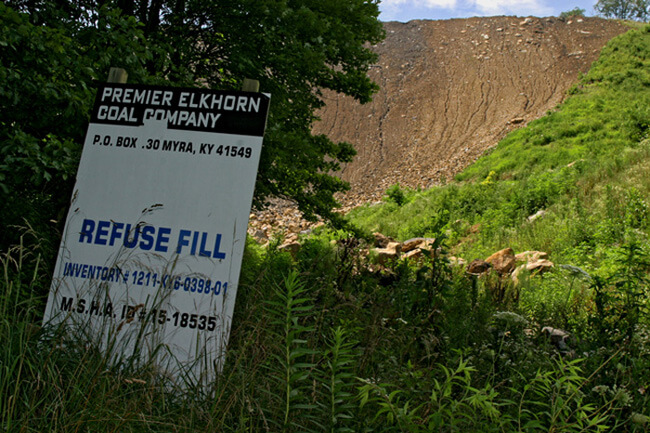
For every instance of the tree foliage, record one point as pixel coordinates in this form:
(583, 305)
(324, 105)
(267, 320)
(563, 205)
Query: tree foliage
(624, 9)
(52, 52)
(575, 12)
(46, 78)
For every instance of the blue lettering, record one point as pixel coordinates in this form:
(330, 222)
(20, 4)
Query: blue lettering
(195, 239)
(217, 244)
(147, 237)
(202, 250)
(102, 230)
(116, 232)
(87, 230)
(182, 241)
(133, 242)
(162, 239)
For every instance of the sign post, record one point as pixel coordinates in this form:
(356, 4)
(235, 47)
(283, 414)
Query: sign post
(151, 254)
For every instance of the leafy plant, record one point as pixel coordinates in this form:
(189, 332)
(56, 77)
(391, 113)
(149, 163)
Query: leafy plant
(575, 12)
(395, 194)
(291, 367)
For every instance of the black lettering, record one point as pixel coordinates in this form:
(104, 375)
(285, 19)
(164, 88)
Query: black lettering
(94, 307)
(66, 304)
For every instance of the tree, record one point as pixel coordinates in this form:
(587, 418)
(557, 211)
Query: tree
(623, 9)
(295, 48)
(46, 78)
(575, 12)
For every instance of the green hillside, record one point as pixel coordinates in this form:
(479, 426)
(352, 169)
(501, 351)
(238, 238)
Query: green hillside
(583, 163)
(330, 340)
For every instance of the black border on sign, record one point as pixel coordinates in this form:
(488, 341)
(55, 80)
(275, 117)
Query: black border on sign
(230, 121)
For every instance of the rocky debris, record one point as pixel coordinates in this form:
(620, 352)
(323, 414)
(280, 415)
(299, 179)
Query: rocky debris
(478, 267)
(536, 215)
(457, 261)
(489, 74)
(539, 266)
(386, 249)
(382, 241)
(502, 261)
(390, 252)
(531, 256)
(557, 337)
(416, 255)
(532, 267)
(417, 243)
(291, 247)
(437, 75)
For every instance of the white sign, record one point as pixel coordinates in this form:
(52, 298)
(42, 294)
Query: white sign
(151, 253)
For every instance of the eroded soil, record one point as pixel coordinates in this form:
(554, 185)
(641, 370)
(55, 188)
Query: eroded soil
(450, 90)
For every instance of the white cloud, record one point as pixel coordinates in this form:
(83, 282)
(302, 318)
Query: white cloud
(512, 7)
(440, 4)
(443, 4)
(481, 7)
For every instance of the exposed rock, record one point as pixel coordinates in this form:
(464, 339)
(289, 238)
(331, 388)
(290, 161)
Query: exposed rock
(558, 337)
(260, 236)
(290, 247)
(394, 247)
(381, 241)
(517, 273)
(478, 267)
(502, 261)
(533, 267)
(391, 252)
(413, 255)
(539, 266)
(457, 261)
(415, 243)
(411, 115)
(531, 256)
(536, 215)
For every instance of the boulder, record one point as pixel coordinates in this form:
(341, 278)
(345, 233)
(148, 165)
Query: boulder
(503, 261)
(536, 215)
(539, 266)
(558, 337)
(290, 247)
(381, 241)
(415, 243)
(478, 266)
(413, 255)
(531, 256)
(457, 261)
(260, 236)
(390, 252)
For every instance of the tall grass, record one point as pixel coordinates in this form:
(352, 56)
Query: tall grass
(329, 341)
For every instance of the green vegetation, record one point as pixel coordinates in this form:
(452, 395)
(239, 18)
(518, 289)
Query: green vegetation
(51, 53)
(328, 340)
(623, 9)
(575, 12)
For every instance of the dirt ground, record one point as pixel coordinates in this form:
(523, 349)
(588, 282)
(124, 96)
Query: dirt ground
(450, 90)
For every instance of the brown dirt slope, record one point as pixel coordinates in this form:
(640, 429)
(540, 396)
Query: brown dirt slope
(452, 89)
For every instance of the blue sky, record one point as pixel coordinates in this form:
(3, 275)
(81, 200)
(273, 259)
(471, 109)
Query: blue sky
(405, 10)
